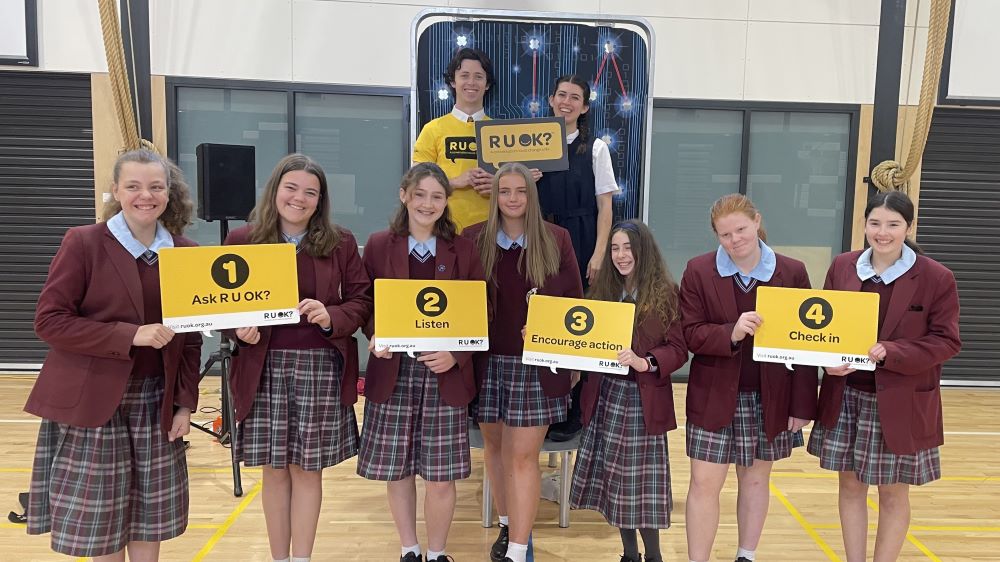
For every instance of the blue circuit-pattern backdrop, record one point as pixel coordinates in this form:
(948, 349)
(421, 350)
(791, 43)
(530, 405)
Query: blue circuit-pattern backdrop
(527, 59)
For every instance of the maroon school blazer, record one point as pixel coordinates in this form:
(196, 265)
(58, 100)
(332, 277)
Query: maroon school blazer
(387, 257)
(920, 332)
(341, 284)
(656, 394)
(566, 283)
(709, 312)
(88, 312)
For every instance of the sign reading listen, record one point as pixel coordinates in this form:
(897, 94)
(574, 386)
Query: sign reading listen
(578, 334)
(536, 143)
(221, 287)
(814, 327)
(417, 315)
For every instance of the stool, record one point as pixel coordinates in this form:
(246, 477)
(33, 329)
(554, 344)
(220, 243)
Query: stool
(561, 450)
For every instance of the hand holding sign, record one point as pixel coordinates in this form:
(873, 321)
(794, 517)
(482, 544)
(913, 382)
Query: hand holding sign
(746, 325)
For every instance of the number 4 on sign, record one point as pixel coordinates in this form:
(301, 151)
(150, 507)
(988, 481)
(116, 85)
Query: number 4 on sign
(815, 313)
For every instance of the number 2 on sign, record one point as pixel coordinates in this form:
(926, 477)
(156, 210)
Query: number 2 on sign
(431, 302)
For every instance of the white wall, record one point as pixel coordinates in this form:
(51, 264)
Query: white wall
(782, 50)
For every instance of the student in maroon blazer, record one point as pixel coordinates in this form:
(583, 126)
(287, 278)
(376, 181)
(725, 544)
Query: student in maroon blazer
(295, 385)
(524, 255)
(118, 387)
(738, 410)
(884, 427)
(416, 410)
(623, 469)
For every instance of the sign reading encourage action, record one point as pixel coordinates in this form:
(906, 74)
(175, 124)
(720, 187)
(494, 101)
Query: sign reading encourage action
(578, 334)
(536, 143)
(417, 315)
(814, 327)
(221, 287)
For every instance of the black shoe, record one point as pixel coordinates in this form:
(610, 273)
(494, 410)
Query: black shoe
(499, 549)
(630, 559)
(743, 559)
(564, 430)
(410, 557)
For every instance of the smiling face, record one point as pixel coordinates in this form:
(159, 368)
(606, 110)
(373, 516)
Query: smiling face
(569, 102)
(425, 203)
(737, 234)
(470, 83)
(621, 254)
(886, 231)
(142, 191)
(296, 199)
(512, 196)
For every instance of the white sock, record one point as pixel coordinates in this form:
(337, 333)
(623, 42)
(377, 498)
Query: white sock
(282, 560)
(517, 552)
(504, 520)
(300, 559)
(432, 556)
(415, 549)
(748, 554)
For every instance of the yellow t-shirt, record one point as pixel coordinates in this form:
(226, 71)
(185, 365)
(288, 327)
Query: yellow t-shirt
(451, 144)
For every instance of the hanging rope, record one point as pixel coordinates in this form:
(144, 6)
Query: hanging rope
(891, 175)
(120, 91)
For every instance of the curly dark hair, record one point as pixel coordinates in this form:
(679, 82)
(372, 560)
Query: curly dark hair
(180, 208)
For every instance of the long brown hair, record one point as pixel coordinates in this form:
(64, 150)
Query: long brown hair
(737, 203)
(177, 215)
(321, 235)
(582, 122)
(540, 258)
(655, 289)
(444, 227)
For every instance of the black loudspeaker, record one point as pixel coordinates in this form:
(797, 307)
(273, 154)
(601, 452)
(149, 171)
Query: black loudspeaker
(225, 181)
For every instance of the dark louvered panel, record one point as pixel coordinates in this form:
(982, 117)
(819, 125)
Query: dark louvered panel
(46, 186)
(960, 227)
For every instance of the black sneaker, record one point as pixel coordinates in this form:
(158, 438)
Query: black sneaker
(743, 559)
(410, 557)
(499, 549)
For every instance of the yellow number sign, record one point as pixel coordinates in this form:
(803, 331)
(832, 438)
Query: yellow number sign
(416, 315)
(578, 334)
(537, 143)
(814, 327)
(220, 287)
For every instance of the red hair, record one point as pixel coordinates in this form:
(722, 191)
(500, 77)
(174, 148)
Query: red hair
(736, 203)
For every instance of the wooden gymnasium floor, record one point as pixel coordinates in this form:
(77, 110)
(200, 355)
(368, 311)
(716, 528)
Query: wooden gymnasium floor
(957, 518)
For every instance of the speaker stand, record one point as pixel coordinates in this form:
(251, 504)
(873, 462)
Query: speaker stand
(224, 356)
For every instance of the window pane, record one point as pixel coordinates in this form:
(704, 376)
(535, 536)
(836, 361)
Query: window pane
(695, 160)
(224, 116)
(358, 140)
(798, 180)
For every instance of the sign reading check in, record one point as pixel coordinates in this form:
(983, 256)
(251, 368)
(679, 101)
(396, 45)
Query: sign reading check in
(536, 143)
(221, 287)
(416, 315)
(814, 327)
(578, 334)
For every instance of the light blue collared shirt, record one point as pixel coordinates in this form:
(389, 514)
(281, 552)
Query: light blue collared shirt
(430, 245)
(893, 272)
(761, 272)
(505, 241)
(297, 239)
(119, 229)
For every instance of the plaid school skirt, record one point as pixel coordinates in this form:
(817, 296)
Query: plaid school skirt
(297, 417)
(97, 489)
(743, 440)
(415, 432)
(855, 443)
(621, 471)
(513, 394)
